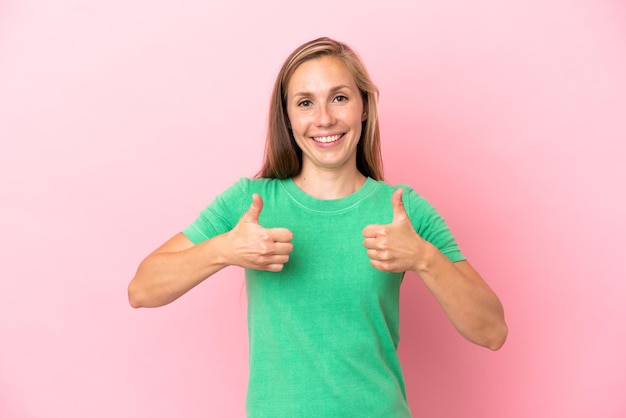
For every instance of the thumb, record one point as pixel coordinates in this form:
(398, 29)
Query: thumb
(252, 215)
(399, 213)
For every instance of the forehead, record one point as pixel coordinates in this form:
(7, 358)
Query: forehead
(320, 75)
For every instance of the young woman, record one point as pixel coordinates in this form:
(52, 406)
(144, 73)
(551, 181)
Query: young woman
(325, 243)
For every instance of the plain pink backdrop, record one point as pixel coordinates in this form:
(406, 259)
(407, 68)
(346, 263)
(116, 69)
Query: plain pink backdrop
(120, 120)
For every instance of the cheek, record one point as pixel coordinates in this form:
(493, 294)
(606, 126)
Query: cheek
(298, 125)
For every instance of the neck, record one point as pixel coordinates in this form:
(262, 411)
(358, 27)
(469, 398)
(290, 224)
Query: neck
(329, 184)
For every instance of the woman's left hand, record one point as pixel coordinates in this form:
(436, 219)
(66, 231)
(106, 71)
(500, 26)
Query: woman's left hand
(394, 247)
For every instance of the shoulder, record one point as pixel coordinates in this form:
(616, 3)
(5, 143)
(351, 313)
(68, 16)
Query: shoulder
(419, 209)
(410, 196)
(262, 186)
(247, 185)
(265, 181)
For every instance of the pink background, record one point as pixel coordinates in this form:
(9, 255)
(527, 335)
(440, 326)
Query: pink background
(120, 120)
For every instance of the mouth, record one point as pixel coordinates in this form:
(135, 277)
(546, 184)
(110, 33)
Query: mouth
(327, 139)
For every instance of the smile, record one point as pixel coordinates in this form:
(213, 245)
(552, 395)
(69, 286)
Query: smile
(327, 139)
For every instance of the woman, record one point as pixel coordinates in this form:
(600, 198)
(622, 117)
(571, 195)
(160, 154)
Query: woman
(325, 244)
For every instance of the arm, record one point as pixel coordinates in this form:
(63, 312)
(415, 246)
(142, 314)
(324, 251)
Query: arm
(178, 266)
(473, 308)
(471, 305)
(172, 270)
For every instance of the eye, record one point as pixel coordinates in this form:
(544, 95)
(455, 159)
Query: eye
(341, 98)
(304, 103)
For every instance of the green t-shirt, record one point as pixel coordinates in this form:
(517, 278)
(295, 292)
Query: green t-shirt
(323, 332)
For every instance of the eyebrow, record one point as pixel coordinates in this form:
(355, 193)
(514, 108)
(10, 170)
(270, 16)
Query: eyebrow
(333, 90)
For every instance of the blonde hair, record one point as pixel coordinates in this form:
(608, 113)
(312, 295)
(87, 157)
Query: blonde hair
(283, 157)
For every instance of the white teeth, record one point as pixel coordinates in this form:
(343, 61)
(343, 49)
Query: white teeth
(327, 139)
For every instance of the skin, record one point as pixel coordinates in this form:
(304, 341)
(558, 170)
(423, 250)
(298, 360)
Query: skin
(178, 265)
(324, 102)
(470, 304)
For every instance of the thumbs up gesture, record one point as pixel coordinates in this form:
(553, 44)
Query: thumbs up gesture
(252, 246)
(396, 246)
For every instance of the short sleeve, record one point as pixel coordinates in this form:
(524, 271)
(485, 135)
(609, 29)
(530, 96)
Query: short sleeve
(221, 215)
(430, 225)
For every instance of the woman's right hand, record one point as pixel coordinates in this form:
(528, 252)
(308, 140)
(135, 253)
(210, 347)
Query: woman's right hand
(178, 265)
(252, 246)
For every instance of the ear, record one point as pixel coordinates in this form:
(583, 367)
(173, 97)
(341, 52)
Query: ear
(364, 116)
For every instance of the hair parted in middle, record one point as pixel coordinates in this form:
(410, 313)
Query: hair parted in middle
(283, 157)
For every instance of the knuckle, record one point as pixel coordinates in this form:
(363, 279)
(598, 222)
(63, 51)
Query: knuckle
(263, 248)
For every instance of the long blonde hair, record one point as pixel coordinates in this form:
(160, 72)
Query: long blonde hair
(283, 157)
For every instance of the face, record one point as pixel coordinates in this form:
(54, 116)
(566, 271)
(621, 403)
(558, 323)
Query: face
(325, 112)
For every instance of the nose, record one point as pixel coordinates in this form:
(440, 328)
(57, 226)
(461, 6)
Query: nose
(324, 116)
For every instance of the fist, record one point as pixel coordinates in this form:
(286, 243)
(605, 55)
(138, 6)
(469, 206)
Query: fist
(255, 247)
(393, 247)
